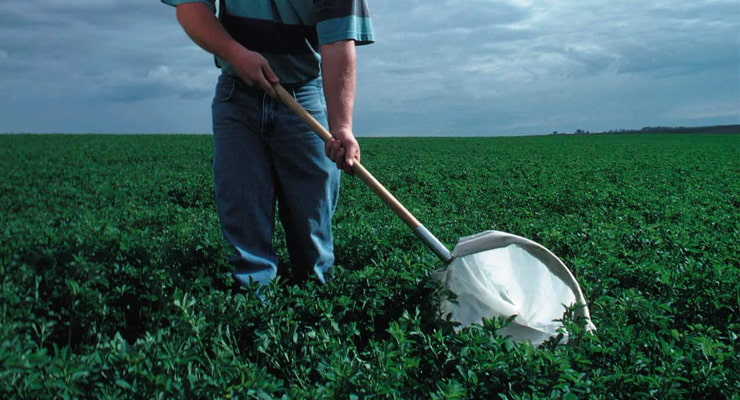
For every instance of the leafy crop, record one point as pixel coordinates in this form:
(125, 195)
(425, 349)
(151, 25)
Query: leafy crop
(115, 281)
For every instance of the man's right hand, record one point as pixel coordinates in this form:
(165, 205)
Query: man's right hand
(254, 70)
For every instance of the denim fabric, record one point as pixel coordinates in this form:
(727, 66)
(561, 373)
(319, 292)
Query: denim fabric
(264, 156)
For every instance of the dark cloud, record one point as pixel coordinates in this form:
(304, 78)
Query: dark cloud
(435, 16)
(559, 66)
(102, 50)
(446, 67)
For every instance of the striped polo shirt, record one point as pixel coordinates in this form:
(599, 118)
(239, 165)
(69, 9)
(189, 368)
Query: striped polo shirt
(288, 33)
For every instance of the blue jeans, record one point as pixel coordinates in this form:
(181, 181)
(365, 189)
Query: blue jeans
(264, 156)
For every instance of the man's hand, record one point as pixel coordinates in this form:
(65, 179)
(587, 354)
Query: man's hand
(254, 70)
(344, 150)
(206, 30)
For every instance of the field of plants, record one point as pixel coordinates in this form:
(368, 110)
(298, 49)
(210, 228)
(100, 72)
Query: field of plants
(115, 283)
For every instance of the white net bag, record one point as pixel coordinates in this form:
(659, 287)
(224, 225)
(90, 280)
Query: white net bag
(493, 273)
(497, 274)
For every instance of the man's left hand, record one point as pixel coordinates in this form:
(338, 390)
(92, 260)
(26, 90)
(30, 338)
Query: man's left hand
(344, 150)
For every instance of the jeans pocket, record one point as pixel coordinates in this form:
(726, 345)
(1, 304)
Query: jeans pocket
(311, 97)
(224, 90)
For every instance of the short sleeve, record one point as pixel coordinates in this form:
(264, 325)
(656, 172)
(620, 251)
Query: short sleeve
(210, 3)
(343, 20)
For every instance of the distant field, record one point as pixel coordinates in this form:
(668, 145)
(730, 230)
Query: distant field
(115, 283)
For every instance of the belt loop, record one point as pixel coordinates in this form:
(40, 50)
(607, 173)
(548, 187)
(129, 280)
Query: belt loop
(265, 117)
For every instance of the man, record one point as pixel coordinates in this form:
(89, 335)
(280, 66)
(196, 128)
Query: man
(263, 153)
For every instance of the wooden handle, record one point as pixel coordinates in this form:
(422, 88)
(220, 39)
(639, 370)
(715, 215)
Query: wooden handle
(358, 169)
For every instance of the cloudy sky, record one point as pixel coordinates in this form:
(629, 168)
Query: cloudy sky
(439, 67)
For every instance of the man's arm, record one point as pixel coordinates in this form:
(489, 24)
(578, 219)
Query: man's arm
(338, 66)
(206, 31)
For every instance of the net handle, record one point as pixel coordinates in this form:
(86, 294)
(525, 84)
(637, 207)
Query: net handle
(367, 177)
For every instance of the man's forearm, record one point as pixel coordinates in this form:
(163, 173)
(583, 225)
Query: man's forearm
(206, 30)
(338, 65)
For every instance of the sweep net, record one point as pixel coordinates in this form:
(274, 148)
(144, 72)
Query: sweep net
(497, 274)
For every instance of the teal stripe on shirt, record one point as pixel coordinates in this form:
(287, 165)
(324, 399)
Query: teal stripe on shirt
(210, 3)
(288, 12)
(343, 23)
(348, 28)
